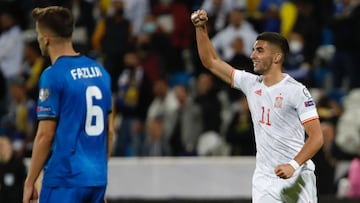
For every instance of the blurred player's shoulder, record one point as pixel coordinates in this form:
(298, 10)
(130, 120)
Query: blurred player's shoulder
(291, 81)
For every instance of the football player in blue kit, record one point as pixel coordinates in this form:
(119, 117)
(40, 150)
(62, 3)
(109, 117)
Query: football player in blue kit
(73, 140)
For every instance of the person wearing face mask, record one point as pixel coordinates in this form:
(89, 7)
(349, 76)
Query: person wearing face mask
(149, 53)
(295, 65)
(111, 38)
(132, 99)
(136, 11)
(11, 43)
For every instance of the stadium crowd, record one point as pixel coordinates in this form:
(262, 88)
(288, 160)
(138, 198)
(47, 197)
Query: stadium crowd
(166, 103)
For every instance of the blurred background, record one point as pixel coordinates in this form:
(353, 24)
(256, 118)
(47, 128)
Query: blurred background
(182, 134)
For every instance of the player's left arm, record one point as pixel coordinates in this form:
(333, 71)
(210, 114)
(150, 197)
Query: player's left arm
(310, 148)
(110, 134)
(313, 143)
(111, 130)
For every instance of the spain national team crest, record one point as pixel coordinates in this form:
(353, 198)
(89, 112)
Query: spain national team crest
(278, 102)
(258, 92)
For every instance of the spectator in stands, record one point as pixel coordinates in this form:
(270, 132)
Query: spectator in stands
(132, 99)
(175, 31)
(147, 43)
(240, 133)
(156, 143)
(12, 45)
(207, 99)
(34, 64)
(136, 11)
(345, 29)
(218, 11)
(111, 39)
(12, 173)
(20, 11)
(185, 122)
(163, 105)
(295, 64)
(329, 112)
(84, 24)
(270, 15)
(238, 27)
(159, 112)
(309, 27)
(240, 60)
(20, 121)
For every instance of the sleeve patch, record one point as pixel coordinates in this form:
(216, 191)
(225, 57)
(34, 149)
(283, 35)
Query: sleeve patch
(309, 103)
(44, 94)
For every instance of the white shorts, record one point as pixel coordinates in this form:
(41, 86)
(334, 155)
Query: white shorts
(301, 188)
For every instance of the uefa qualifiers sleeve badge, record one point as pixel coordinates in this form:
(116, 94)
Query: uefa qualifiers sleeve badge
(307, 93)
(44, 94)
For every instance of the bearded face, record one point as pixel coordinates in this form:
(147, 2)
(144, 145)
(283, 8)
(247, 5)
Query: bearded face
(263, 56)
(42, 40)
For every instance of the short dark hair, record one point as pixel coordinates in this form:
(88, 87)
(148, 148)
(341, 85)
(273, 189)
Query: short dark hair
(277, 40)
(59, 20)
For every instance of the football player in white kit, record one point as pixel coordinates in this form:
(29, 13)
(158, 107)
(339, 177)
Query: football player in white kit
(282, 111)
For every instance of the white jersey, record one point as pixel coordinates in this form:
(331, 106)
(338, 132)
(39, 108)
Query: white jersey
(278, 113)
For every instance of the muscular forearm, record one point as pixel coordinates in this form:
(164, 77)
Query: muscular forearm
(311, 147)
(40, 153)
(110, 134)
(41, 150)
(111, 128)
(209, 57)
(312, 144)
(206, 51)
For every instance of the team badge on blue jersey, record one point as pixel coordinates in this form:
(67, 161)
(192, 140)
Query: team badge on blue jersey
(44, 94)
(309, 103)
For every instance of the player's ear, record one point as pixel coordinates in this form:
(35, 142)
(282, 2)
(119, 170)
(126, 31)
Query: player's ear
(277, 58)
(46, 39)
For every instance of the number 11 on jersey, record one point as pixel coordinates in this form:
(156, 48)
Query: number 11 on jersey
(265, 119)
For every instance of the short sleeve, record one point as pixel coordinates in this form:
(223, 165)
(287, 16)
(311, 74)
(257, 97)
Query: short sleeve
(243, 80)
(305, 105)
(49, 96)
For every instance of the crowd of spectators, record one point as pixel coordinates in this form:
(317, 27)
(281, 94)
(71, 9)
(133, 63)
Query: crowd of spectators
(166, 103)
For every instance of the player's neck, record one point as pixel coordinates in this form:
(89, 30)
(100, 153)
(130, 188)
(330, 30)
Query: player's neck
(272, 77)
(61, 49)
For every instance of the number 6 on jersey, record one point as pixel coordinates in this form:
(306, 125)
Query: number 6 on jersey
(93, 112)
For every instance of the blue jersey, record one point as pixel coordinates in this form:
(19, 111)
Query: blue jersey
(75, 91)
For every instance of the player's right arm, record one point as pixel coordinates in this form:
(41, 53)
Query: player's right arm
(41, 150)
(207, 53)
